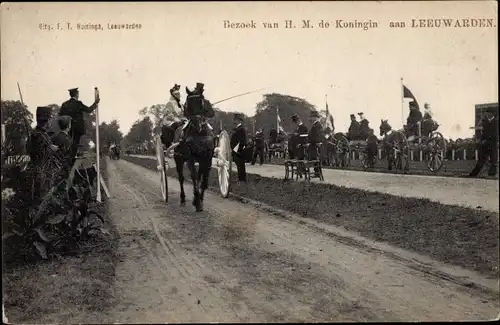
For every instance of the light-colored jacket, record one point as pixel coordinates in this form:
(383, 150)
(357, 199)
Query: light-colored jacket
(173, 112)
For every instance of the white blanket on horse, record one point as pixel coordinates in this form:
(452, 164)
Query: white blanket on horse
(187, 122)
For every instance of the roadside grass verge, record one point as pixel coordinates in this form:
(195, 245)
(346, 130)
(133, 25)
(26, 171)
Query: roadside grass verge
(66, 289)
(456, 235)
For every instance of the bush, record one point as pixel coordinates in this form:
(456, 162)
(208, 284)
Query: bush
(56, 224)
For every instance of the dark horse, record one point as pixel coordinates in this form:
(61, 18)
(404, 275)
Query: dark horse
(394, 146)
(197, 146)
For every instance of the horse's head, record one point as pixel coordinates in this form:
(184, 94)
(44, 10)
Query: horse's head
(384, 127)
(196, 104)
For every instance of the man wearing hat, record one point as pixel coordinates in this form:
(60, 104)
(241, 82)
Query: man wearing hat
(364, 128)
(258, 142)
(299, 138)
(414, 117)
(63, 141)
(488, 144)
(238, 144)
(353, 132)
(315, 137)
(41, 152)
(74, 108)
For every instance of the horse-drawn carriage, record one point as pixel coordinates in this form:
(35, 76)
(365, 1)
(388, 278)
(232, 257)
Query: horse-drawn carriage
(114, 152)
(193, 144)
(397, 146)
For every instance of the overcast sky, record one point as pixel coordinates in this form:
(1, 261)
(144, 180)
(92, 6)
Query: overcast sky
(451, 68)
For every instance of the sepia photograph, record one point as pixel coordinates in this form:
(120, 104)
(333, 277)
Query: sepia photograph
(249, 162)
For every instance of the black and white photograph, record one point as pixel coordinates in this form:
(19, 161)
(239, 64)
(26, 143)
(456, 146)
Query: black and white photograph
(249, 162)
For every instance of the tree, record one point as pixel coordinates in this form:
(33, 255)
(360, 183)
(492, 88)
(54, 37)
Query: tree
(156, 113)
(108, 133)
(265, 116)
(17, 120)
(140, 133)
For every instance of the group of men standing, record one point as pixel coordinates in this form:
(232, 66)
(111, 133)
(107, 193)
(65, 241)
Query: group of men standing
(53, 154)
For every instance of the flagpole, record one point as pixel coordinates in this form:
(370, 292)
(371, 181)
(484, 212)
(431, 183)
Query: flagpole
(277, 119)
(96, 95)
(402, 102)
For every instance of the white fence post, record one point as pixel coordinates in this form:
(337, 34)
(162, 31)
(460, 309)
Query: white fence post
(465, 154)
(476, 153)
(411, 155)
(453, 154)
(379, 154)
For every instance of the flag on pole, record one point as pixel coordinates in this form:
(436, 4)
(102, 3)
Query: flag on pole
(329, 118)
(408, 94)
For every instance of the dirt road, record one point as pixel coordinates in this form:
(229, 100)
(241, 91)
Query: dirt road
(238, 263)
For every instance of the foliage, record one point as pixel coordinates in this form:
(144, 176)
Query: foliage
(140, 134)
(108, 133)
(55, 225)
(265, 116)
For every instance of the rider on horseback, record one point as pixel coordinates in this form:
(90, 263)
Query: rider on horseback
(412, 122)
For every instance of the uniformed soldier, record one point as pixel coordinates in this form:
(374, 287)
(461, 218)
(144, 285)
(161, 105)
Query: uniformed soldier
(42, 164)
(364, 127)
(315, 137)
(414, 117)
(63, 141)
(353, 132)
(238, 144)
(258, 147)
(74, 108)
(299, 138)
(488, 145)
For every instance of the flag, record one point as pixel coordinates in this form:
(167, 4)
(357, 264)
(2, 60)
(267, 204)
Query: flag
(408, 94)
(278, 120)
(329, 118)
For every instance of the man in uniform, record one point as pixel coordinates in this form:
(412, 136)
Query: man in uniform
(258, 146)
(74, 108)
(42, 163)
(299, 138)
(414, 117)
(63, 141)
(353, 132)
(364, 127)
(315, 137)
(172, 119)
(488, 146)
(238, 144)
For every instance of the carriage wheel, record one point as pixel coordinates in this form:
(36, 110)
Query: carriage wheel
(401, 151)
(436, 151)
(162, 168)
(342, 153)
(224, 164)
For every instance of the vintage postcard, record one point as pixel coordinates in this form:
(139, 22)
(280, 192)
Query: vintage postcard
(247, 162)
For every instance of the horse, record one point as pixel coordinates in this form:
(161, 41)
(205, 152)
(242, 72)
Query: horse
(197, 146)
(393, 140)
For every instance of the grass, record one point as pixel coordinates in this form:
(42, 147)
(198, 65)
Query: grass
(456, 235)
(70, 289)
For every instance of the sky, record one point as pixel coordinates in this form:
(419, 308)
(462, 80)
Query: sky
(453, 69)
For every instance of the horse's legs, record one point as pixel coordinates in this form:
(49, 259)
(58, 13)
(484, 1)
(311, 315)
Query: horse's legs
(179, 164)
(204, 174)
(194, 178)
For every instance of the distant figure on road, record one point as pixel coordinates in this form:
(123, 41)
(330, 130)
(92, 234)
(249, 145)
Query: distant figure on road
(238, 144)
(488, 144)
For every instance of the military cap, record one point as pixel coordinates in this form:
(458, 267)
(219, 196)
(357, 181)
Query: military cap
(200, 85)
(295, 117)
(63, 121)
(43, 113)
(352, 115)
(360, 113)
(239, 116)
(315, 114)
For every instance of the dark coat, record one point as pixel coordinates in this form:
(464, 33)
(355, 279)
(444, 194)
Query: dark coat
(239, 136)
(414, 117)
(364, 129)
(354, 129)
(258, 140)
(63, 141)
(316, 134)
(489, 130)
(75, 109)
